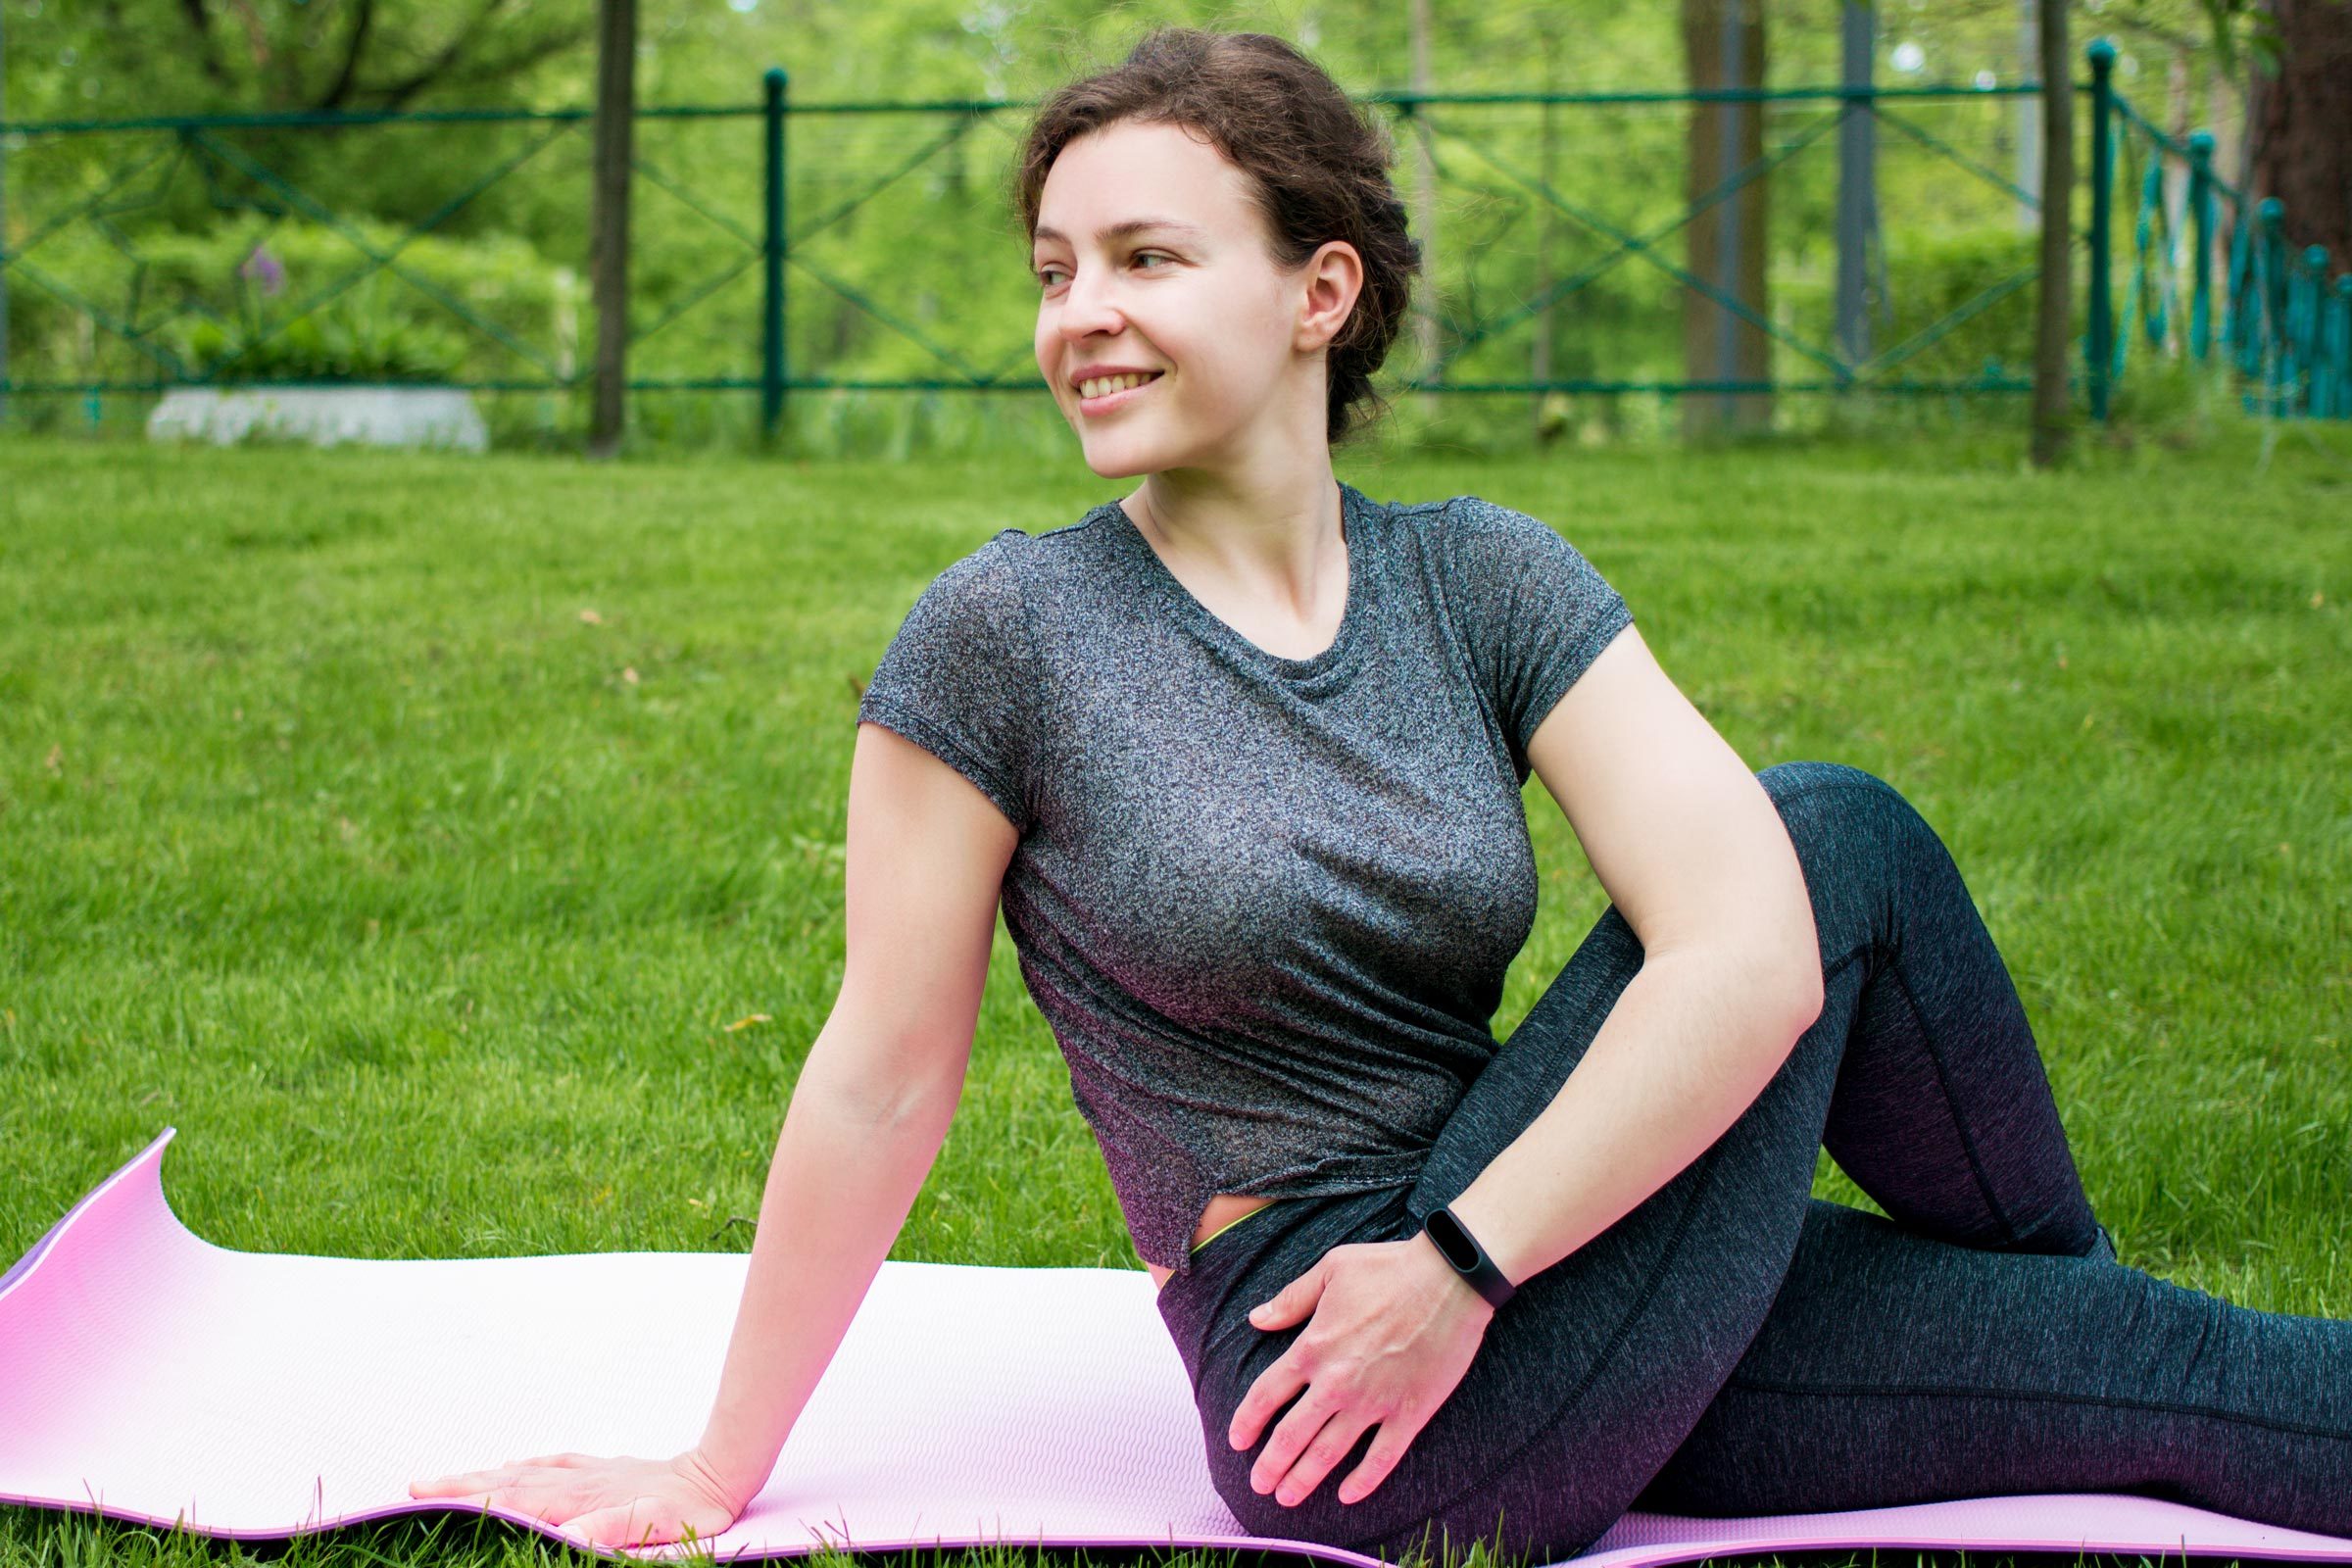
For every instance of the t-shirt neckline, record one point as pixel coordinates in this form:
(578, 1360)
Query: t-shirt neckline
(1325, 666)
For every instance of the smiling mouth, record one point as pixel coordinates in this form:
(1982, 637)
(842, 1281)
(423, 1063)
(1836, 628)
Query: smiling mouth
(1104, 402)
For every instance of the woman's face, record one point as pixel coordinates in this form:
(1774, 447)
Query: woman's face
(1150, 255)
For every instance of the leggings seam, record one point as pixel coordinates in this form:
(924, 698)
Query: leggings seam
(2114, 1402)
(1943, 1083)
(1600, 1362)
(1968, 1143)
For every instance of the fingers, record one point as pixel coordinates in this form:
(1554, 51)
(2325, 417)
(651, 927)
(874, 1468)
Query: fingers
(470, 1481)
(1291, 1437)
(627, 1524)
(1294, 1301)
(1329, 1447)
(1388, 1447)
(1270, 1393)
(545, 1494)
(552, 1489)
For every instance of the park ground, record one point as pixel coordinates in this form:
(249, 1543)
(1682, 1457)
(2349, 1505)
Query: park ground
(450, 847)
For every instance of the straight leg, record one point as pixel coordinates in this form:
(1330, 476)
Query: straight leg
(1895, 1368)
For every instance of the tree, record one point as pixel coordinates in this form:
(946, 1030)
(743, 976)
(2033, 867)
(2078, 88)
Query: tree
(2300, 124)
(1723, 42)
(367, 54)
(2053, 418)
(608, 220)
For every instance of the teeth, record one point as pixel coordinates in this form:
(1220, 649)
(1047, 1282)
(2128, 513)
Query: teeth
(1111, 383)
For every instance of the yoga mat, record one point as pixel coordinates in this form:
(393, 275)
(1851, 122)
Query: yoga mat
(150, 1376)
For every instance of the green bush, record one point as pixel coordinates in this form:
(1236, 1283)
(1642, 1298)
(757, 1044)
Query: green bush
(337, 344)
(189, 307)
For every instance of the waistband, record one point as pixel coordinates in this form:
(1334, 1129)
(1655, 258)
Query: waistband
(1235, 1269)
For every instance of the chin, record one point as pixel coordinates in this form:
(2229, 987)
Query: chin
(1117, 465)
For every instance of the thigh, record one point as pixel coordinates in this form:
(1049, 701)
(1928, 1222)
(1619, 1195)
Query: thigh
(1586, 1378)
(1583, 1385)
(1593, 1374)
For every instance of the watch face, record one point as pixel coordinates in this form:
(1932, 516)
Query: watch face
(1451, 1239)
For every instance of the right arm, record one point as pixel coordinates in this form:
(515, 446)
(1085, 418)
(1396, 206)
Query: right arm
(924, 863)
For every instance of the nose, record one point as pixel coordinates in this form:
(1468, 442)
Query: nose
(1089, 306)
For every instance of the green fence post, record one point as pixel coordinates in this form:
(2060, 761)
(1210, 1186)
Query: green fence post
(2339, 339)
(2310, 338)
(771, 325)
(2271, 286)
(2200, 213)
(2100, 344)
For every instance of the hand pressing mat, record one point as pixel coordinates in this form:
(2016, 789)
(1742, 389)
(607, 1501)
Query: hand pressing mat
(150, 1376)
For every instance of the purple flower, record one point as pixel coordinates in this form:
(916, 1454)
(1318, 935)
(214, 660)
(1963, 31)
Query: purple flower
(264, 269)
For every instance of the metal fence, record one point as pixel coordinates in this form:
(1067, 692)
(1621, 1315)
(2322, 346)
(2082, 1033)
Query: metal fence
(2285, 324)
(2196, 284)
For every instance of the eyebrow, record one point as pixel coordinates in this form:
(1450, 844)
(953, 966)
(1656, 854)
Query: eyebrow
(1133, 226)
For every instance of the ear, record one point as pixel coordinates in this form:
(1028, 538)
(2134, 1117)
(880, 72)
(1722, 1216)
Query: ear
(1331, 280)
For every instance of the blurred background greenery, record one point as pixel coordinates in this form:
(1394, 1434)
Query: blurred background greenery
(146, 250)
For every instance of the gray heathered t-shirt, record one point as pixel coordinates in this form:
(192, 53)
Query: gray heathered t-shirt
(1266, 905)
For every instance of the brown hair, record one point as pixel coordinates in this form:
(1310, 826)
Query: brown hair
(1319, 170)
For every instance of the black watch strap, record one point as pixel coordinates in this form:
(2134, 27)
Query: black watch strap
(1458, 1247)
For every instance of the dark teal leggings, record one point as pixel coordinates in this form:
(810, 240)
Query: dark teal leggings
(1735, 1345)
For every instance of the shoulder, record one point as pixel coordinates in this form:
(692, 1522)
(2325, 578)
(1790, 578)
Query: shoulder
(1477, 539)
(1475, 517)
(983, 584)
(1465, 517)
(992, 592)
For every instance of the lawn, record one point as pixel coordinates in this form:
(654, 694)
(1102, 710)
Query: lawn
(416, 834)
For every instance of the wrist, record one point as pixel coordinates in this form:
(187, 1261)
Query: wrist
(1495, 1232)
(1449, 1285)
(737, 1488)
(1459, 1257)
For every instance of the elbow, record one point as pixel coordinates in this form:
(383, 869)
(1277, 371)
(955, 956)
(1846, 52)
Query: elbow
(1799, 975)
(1788, 976)
(1810, 995)
(1798, 961)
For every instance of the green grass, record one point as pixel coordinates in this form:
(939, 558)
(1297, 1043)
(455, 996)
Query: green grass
(333, 833)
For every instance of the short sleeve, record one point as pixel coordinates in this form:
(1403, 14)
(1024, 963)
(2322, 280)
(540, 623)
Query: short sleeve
(1536, 611)
(959, 676)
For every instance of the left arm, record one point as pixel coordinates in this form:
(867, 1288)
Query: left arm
(1695, 858)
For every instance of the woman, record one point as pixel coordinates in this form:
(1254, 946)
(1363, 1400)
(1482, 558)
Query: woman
(1241, 755)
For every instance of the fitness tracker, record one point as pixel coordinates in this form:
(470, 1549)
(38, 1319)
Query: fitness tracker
(1459, 1248)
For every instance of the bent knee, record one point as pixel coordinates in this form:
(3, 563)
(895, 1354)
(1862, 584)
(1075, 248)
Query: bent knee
(1784, 781)
(1820, 803)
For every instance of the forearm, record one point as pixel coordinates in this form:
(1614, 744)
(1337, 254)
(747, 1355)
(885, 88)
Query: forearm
(1691, 1041)
(838, 1193)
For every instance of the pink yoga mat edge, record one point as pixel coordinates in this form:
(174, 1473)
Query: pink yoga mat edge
(1660, 1555)
(32, 1255)
(2068, 1523)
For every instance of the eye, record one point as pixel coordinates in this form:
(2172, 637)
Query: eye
(1044, 273)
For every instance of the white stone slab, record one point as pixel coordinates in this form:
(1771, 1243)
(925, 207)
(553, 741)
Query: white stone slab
(442, 416)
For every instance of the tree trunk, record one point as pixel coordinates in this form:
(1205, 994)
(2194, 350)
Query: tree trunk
(2053, 419)
(3, 223)
(2029, 111)
(2300, 135)
(609, 224)
(1539, 361)
(1425, 211)
(1723, 43)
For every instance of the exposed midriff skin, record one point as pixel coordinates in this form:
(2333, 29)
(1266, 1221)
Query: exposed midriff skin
(1222, 1211)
